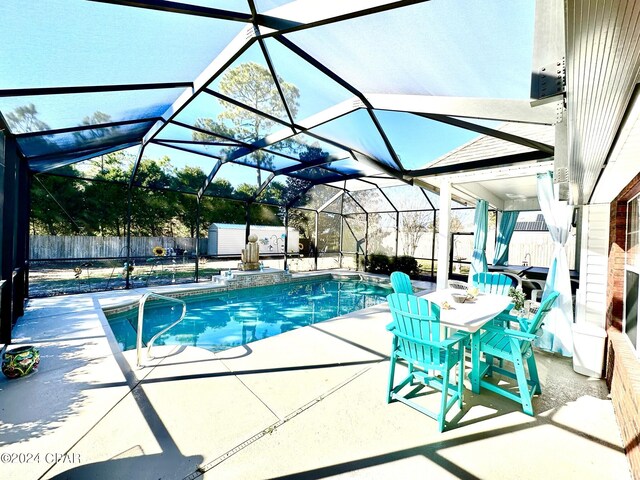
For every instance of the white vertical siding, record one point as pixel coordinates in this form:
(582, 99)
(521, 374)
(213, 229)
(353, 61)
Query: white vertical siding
(603, 60)
(591, 301)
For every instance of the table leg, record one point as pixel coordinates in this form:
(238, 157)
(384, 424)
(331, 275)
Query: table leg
(474, 376)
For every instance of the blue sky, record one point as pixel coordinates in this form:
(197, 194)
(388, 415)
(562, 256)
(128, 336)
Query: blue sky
(461, 48)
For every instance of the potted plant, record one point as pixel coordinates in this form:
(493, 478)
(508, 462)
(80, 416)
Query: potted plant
(518, 299)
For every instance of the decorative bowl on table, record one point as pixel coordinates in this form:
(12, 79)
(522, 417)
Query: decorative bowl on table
(463, 298)
(459, 297)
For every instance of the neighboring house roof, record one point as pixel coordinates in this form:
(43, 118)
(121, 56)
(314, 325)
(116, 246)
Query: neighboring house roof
(538, 225)
(486, 146)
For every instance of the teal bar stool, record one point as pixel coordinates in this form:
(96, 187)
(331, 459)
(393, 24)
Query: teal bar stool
(430, 359)
(515, 346)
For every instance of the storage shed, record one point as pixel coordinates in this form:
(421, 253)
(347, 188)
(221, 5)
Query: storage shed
(229, 239)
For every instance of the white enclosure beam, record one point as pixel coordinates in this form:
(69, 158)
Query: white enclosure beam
(444, 235)
(477, 191)
(225, 58)
(487, 108)
(522, 204)
(506, 173)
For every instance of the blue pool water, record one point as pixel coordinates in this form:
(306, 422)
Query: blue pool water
(228, 319)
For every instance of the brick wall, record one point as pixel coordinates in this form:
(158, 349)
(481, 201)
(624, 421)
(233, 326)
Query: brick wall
(623, 367)
(623, 379)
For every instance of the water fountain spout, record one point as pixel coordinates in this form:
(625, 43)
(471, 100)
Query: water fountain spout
(250, 255)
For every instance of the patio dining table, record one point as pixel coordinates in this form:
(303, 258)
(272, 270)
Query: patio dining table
(469, 316)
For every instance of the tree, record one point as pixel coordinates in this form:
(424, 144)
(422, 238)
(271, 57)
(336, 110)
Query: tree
(186, 205)
(264, 215)
(56, 202)
(455, 225)
(245, 191)
(220, 187)
(95, 135)
(214, 210)
(413, 226)
(25, 119)
(252, 85)
(106, 212)
(293, 193)
(329, 232)
(274, 193)
(380, 227)
(153, 207)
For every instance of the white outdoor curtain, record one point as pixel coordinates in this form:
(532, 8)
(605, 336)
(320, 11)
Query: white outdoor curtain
(505, 232)
(556, 331)
(479, 259)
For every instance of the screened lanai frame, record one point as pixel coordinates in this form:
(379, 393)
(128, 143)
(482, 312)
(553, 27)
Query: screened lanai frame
(370, 201)
(264, 26)
(254, 37)
(307, 200)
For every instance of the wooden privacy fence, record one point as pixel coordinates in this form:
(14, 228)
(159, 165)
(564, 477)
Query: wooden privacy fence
(44, 247)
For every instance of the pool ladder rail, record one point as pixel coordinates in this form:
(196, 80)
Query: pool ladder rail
(141, 304)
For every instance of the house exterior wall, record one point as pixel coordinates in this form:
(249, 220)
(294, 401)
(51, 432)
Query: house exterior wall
(591, 301)
(623, 367)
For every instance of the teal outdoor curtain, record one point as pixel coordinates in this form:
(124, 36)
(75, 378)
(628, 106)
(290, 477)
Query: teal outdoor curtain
(556, 330)
(505, 232)
(479, 258)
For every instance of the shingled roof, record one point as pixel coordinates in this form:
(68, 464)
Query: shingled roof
(538, 225)
(485, 146)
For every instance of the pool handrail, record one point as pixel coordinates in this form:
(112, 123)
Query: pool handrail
(141, 304)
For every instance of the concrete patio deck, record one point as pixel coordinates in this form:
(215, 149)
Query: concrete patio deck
(309, 403)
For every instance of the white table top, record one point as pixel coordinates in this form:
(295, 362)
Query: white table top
(468, 316)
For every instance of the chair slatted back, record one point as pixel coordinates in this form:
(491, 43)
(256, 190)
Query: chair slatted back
(416, 320)
(536, 322)
(401, 283)
(495, 283)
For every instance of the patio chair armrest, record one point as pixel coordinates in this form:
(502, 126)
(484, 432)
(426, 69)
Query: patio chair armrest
(529, 337)
(455, 338)
(428, 343)
(512, 333)
(391, 327)
(506, 317)
(508, 309)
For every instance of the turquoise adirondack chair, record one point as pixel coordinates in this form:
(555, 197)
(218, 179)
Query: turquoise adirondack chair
(496, 283)
(416, 340)
(514, 346)
(401, 283)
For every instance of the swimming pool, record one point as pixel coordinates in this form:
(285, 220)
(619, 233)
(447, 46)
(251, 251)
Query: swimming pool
(224, 320)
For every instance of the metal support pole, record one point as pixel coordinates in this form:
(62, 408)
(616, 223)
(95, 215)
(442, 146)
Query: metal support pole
(27, 238)
(129, 201)
(433, 245)
(366, 239)
(247, 221)
(397, 231)
(22, 238)
(128, 239)
(315, 241)
(286, 237)
(451, 244)
(9, 159)
(341, 236)
(197, 272)
(340, 254)
(443, 236)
